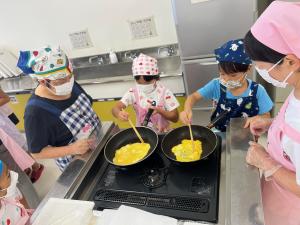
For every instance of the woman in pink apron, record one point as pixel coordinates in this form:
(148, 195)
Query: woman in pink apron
(148, 89)
(273, 43)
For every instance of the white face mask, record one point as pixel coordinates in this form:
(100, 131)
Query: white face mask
(12, 191)
(266, 76)
(63, 89)
(146, 88)
(232, 84)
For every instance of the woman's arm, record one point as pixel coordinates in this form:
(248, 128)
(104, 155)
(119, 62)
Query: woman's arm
(265, 116)
(287, 179)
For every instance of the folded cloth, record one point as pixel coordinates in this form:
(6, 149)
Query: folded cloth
(126, 215)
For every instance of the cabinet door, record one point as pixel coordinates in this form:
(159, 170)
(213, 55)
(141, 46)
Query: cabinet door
(196, 74)
(103, 110)
(17, 104)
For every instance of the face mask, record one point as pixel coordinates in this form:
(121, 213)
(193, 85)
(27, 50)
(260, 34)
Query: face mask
(146, 88)
(63, 89)
(12, 191)
(232, 84)
(266, 76)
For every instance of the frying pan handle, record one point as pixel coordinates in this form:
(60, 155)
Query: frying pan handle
(217, 119)
(148, 115)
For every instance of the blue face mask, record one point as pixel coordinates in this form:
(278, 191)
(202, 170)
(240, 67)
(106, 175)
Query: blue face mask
(265, 74)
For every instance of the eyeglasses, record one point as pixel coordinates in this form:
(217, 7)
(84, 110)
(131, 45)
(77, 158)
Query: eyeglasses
(146, 78)
(61, 81)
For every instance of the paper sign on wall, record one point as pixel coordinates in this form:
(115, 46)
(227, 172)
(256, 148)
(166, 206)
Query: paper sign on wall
(81, 39)
(143, 28)
(13, 99)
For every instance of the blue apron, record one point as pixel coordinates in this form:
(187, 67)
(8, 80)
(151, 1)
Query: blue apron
(240, 107)
(75, 117)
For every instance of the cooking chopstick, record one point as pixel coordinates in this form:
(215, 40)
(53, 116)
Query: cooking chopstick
(191, 135)
(135, 130)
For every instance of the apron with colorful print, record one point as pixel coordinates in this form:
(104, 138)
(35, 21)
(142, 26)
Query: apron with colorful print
(157, 122)
(240, 107)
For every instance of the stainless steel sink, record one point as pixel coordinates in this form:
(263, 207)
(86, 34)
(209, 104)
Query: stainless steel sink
(167, 65)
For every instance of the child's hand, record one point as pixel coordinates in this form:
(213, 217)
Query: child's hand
(186, 116)
(123, 115)
(157, 109)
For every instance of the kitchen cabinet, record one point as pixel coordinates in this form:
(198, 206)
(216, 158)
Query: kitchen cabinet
(102, 108)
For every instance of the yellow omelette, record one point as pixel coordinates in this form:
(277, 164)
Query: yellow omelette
(184, 152)
(131, 153)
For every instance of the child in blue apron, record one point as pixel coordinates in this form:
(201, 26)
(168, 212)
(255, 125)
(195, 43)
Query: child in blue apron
(231, 91)
(58, 116)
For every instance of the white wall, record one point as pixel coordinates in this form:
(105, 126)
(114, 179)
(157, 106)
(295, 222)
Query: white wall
(29, 24)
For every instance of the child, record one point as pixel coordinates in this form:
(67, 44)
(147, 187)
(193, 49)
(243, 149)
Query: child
(12, 211)
(232, 91)
(17, 141)
(148, 89)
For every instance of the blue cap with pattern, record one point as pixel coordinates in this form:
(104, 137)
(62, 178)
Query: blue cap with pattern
(233, 51)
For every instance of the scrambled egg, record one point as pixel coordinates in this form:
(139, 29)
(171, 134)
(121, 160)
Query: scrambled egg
(184, 151)
(131, 153)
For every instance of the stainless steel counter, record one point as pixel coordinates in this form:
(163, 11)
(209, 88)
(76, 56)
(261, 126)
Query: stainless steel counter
(243, 182)
(239, 196)
(73, 175)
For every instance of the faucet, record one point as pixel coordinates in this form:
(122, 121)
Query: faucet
(131, 56)
(100, 60)
(170, 50)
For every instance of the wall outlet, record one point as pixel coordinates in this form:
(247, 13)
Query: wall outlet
(81, 39)
(143, 28)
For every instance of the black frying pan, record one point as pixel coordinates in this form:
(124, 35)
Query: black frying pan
(128, 136)
(208, 138)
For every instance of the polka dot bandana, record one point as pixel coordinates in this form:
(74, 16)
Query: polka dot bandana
(144, 65)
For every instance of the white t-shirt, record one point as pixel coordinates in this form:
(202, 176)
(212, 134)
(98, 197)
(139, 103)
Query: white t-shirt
(170, 101)
(292, 148)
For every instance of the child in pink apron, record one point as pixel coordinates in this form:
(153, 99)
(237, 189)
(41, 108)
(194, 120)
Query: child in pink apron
(12, 211)
(14, 142)
(274, 45)
(148, 89)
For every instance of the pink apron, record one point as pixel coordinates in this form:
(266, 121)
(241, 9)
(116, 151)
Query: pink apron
(157, 122)
(12, 212)
(13, 140)
(281, 207)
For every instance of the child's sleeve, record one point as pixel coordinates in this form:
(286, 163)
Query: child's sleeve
(211, 90)
(265, 103)
(127, 98)
(171, 102)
